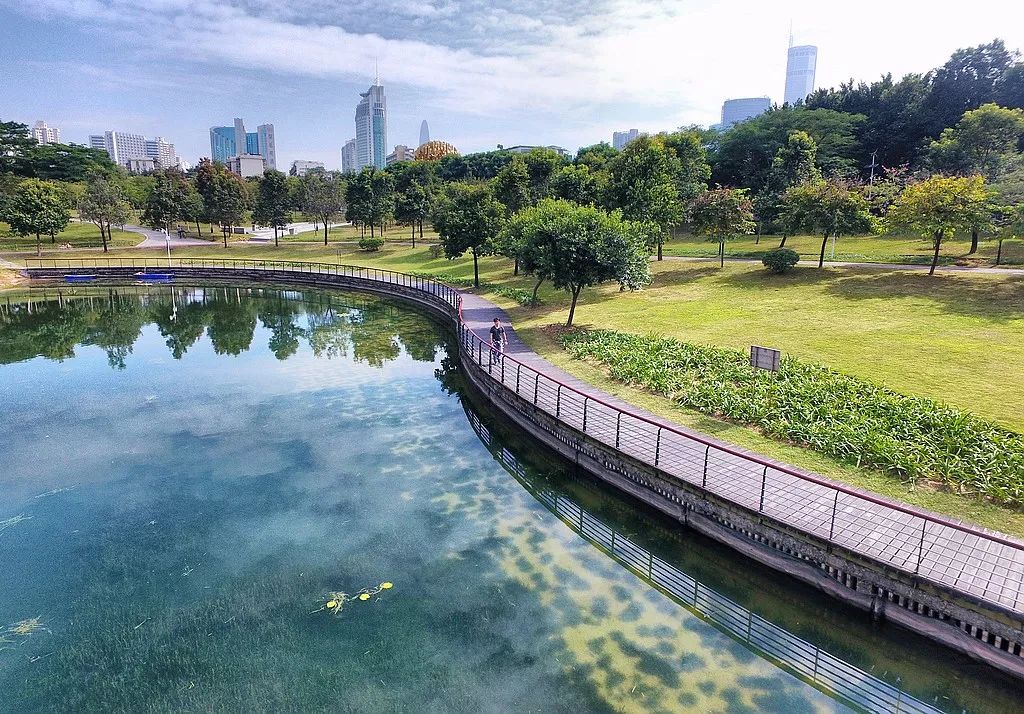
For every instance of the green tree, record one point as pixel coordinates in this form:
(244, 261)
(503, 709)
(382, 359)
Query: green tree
(104, 203)
(721, 214)
(165, 203)
(579, 184)
(541, 166)
(825, 208)
(415, 188)
(512, 185)
(68, 162)
(597, 156)
(938, 207)
(692, 170)
(192, 207)
(37, 207)
(323, 197)
(795, 162)
(579, 246)
(230, 199)
(15, 146)
(272, 202)
(468, 218)
(984, 141)
(643, 186)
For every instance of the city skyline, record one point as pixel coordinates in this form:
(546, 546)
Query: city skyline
(556, 74)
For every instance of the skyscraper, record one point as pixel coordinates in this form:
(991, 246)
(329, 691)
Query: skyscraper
(120, 146)
(229, 141)
(424, 133)
(621, 138)
(51, 135)
(372, 127)
(348, 157)
(800, 67)
(736, 110)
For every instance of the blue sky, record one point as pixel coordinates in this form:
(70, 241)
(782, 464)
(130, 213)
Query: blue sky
(481, 72)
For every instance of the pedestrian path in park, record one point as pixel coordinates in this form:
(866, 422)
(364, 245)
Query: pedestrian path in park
(987, 565)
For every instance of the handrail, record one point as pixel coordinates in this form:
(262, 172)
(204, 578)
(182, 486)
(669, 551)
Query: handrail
(451, 296)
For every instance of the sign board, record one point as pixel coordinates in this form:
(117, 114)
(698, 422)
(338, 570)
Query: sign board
(764, 358)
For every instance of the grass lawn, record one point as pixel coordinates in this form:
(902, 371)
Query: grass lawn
(79, 235)
(351, 233)
(958, 338)
(855, 249)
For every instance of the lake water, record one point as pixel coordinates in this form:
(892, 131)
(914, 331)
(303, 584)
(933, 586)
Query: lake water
(189, 476)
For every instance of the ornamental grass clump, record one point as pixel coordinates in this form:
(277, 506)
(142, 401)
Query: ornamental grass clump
(847, 418)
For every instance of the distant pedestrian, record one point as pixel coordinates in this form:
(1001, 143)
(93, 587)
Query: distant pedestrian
(498, 341)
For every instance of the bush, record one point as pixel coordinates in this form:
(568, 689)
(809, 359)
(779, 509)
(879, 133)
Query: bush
(847, 418)
(370, 244)
(437, 251)
(780, 260)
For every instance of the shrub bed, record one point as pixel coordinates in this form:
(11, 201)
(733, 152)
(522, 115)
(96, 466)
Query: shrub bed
(811, 405)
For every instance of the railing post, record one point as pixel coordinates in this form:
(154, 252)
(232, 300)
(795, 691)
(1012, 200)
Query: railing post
(558, 402)
(920, 548)
(704, 481)
(657, 448)
(518, 369)
(764, 480)
(501, 358)
(618, 427)
(585, 400)
(536, 386)
(832, 526)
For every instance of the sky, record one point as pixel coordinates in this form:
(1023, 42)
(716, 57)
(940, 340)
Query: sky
(481, 72)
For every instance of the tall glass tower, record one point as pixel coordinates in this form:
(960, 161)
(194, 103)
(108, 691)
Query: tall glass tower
(372, 127)
(424, 133)
(800, 67)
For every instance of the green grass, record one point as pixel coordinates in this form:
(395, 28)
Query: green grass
(79, 235)
(855, 249)
(956, 338)
(351, 233)
(841, 416)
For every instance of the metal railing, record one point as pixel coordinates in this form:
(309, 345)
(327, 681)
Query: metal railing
(988, 566)
(829, 673)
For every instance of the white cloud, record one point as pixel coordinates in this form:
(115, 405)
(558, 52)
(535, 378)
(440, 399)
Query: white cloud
(652, 65)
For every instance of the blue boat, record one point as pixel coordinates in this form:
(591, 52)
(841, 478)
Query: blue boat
(79, 278)
(154, 277)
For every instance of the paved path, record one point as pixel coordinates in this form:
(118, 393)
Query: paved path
(156, 239)
(866, 524)
(1001, 270)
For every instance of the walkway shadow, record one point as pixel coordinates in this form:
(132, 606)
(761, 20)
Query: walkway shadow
(998, 298)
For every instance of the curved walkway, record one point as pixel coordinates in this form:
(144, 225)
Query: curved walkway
(990, 270)
(963, 558)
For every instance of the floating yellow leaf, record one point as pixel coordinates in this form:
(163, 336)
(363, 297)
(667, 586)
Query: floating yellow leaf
(331, 603)
(386, 586)
(364, 596)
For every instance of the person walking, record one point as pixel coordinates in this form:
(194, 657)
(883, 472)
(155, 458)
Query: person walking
(499, 340)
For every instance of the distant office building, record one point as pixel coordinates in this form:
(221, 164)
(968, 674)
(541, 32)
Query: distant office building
(621, 138)
(142, 165)
(51, 135)
(301, 168)
(524, 149)
(424, 133)
(120, 146)
(736, 110)
(247, 165)
(162, 152)
(800, 68)
(229, 141)
(401, 153)
(348, 157)
(372, 127)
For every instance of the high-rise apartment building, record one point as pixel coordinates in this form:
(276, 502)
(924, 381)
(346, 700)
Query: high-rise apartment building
(736, 110)
(424, 133)
(301, 168)
(621, 138)
(372, 127)
(162, 152)
(801, 65)
(45, 134)
(401, 153)
(120, 146)
(229, 141)
(348, 157)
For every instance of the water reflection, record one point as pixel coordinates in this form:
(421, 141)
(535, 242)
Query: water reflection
(51, 323)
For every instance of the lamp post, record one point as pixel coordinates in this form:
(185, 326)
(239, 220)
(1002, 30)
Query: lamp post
(167, 242)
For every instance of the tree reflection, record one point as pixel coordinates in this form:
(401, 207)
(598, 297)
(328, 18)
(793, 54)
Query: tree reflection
(365, 329)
